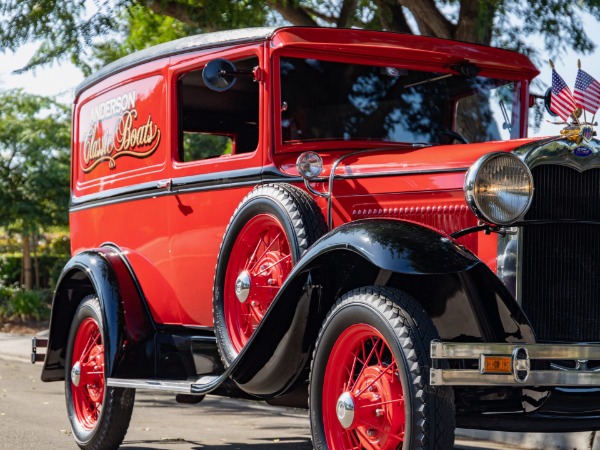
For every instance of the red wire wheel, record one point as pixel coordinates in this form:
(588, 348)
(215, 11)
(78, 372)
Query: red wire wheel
(362, 386)
(268, 233)
(368, 386)
(262, 255)
(99, 414)
(88, 383)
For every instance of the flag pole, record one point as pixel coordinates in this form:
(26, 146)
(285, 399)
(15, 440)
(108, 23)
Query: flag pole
(584, 112)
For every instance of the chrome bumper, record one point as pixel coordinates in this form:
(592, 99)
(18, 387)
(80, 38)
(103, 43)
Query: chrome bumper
(520, 357)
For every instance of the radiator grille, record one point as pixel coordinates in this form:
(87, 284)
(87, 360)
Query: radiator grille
(561, 262)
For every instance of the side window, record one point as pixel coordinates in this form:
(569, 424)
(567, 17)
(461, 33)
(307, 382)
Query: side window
(214, 124)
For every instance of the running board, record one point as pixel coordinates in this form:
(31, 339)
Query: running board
(203, 385)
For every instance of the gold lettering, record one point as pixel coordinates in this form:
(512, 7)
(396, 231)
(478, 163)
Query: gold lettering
(126, 139)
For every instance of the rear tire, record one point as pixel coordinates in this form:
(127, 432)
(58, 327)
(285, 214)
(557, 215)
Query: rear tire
(369, 380)
(99, 414)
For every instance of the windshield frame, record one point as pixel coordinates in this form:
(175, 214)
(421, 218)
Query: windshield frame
(521, 92)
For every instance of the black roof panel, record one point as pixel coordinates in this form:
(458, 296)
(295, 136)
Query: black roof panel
(178, 46)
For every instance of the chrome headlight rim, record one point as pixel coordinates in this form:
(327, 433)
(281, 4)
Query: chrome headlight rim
(472, 177)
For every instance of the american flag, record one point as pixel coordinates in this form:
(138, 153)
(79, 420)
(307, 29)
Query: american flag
(561, 102)
(587, 92)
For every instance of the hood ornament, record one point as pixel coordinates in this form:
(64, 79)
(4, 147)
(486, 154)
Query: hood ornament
(571, 106)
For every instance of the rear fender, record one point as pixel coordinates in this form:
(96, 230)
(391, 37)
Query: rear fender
(128, 327)
(371, 252)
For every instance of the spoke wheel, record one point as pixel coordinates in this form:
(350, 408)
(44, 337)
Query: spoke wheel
(361, 379)
(262, 254)
(99, 414)
(368, 386)
(268, 233)
(88, 381)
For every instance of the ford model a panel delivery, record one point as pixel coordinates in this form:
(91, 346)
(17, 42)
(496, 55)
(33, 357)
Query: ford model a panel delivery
(351, 216)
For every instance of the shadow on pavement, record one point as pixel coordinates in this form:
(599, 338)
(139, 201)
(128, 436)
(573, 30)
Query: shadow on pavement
(279, 444)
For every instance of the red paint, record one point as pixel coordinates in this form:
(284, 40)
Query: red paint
(88, 395)
(126, 143)
(263, 252)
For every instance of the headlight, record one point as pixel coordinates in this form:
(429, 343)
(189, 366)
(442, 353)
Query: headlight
(499, 188)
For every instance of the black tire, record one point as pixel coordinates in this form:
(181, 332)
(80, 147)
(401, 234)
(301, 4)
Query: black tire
(99, 418)
(399, 331)
(297, 215)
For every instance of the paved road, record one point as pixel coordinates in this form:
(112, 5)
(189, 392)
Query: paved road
(33, 416)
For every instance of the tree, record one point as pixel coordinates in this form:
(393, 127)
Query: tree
(73, 29)
(34, 167)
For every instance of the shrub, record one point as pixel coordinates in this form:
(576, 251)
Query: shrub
(50, 268)
(24, 305)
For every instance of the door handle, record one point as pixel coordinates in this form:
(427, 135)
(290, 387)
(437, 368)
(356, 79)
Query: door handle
(164, 184)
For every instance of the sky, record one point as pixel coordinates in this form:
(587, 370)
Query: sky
(60, 80)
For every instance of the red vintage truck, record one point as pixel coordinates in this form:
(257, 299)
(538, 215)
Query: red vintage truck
(350, 220)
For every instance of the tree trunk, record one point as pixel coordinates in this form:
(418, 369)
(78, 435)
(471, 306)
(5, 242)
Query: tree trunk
(36, 262)
(476, 21)
(27, 268)
(429, 18)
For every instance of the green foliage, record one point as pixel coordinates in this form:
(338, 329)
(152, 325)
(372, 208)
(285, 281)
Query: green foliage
(65, 29)
(141, 28)
(34, 162)
(197, 146)
(24, 305)
(50, 267)
(90, 34)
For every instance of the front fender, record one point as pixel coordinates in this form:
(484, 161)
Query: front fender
(395, 245)
(361, 253)
(105, 273)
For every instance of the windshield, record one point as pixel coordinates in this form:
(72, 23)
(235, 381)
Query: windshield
(324, 100)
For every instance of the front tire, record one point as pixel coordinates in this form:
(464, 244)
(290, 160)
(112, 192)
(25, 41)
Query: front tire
(369, 377)
(99, 414)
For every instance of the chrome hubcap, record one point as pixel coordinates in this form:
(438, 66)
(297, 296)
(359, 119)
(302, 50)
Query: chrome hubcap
(76, 373)
(345, 410)
(242, 286)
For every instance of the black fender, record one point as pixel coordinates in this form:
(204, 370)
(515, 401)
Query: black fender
(128, 327)
(390, 252)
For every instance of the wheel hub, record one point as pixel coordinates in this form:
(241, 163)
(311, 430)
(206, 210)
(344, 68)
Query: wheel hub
(345, 410)
(242, 286)
(76, 374)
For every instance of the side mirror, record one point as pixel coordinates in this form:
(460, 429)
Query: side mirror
(547, 102)
(219, 75)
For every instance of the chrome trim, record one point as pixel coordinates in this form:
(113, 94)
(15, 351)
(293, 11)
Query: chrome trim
(158, 385)
(394, 173)
(242, 286)
(521, 364)
(551, 151)
(345, 410)
(454, 350)
(332, 176)
(508, 261)
(471, 178)
(580, 364)
(76, 374)
(195, 183)
(521, 374)
(441, 377)
(560, 151)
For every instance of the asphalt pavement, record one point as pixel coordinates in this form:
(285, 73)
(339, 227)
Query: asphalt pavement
(33, 416)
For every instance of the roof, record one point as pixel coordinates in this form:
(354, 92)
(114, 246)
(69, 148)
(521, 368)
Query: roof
(374, 43)
(176, 47)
